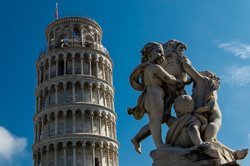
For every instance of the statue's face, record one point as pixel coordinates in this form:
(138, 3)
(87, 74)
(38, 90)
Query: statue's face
(174, 47)
(156, 55)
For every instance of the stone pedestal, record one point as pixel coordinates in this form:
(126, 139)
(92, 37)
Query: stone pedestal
(210, 155)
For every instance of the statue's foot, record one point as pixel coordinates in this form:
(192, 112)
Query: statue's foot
(137, 145)
(240, 154)
(130, 111)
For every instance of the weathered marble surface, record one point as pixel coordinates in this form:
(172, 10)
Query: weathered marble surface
(211, 155)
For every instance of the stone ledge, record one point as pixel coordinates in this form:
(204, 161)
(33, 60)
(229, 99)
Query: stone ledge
(211, 155)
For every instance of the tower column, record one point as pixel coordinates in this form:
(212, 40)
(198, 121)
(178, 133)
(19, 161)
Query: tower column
(97, 70)
(111, 129)
(56, 66)
(74, 154)
(83, 114)
(41, 162)
(103, 70)
(101, 153)
(38, 137)
(73, 64)
(65, 64)
(100, 123)
(42, 135)
(91, 92)
(64, 122)
(93, 153)
(64, 155)
(90, 70)
(55, 157)
(81, 65)
(49, 68)
(56, 123)
(83, 153)
(106, 126)
(74, 122)
(74, 92)
(56, 98)
(47, 155)
(108, 158)
(92, 121)
(98, 94)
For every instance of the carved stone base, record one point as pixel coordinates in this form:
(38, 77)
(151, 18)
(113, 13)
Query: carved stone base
(211, 155)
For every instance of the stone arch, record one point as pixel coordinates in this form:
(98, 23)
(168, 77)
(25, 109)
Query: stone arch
(69, 92)
(87, 121)
(41, 100)
(69, 153)
(60, 155)
(94, 93)
(102, 97)
(42, 72)
(60, 92)
(51, 151)
(69, 64)
(101, 67)
(86, 90)
(93, 65)
(85, 64)
(52, 99)
(60, 123)
(53, 67)
(69, 121)
(46, 97)
(61, 66)
(77, 63)
(88, 153)
(79, 153)
(78, 121)
(52, 117)
(45, 126)
(46, 67)
(78, 92)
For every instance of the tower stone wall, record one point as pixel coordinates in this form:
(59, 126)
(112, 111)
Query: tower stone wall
(75, 121)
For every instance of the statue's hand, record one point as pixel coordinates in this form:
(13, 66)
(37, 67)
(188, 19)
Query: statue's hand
(185, 60)
(180, 84)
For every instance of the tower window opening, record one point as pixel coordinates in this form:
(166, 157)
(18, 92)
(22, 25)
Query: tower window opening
(97, 162)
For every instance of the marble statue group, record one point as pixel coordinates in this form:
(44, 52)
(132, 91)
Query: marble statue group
(161, 77)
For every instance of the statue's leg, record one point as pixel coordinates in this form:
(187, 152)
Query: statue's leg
(211, 132)
(194, 132)
(155, 105)
(143, 133)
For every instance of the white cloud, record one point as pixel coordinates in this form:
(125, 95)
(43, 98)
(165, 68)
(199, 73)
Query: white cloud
(239, 75)
(10, 145)
(236, 48)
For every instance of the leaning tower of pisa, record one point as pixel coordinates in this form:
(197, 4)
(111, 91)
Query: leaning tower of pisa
(75, 121)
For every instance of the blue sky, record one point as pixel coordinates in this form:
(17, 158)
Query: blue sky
(216, 32)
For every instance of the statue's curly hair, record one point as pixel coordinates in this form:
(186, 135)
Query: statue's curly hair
(147, 48)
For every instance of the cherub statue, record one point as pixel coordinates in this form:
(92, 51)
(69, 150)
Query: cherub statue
(153, 77)
(184, 131)
(172, 65)
(205, 88)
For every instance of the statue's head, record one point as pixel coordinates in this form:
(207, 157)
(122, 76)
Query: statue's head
(152, 52)
(211, 75)
(174, 46)
(183, 105)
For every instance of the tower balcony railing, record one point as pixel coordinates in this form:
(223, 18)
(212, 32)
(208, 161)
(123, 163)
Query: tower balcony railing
(68, 43)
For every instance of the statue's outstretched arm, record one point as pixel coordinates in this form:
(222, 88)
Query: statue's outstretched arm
(190, 70)
(165, 76)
